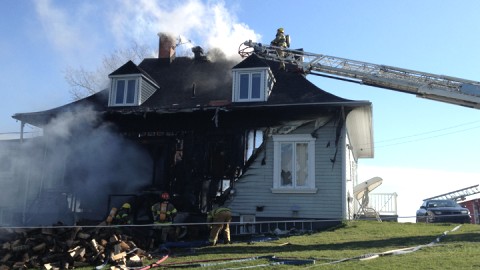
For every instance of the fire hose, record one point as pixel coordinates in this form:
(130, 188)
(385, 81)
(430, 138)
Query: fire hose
(400, 251)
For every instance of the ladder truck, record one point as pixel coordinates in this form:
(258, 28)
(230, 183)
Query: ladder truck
(426, 85)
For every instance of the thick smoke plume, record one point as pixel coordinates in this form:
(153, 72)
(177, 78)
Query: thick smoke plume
(77, 164)
(80, 161)
(131, 34)
(195, 22)
(208, 24)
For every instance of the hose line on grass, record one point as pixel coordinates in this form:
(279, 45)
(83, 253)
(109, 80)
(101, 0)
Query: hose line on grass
(400, 251)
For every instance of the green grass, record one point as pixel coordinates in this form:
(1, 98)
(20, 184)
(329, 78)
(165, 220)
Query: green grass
(455, 250)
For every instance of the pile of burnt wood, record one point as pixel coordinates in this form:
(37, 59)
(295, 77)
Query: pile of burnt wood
(71, 247)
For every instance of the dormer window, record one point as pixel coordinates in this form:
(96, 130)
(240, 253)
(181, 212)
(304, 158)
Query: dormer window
(249, 86)
(125, 92)
(130, 90)
(252, 84)
(130, 86)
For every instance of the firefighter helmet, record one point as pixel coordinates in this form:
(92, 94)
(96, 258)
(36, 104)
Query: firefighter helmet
(165, 196)
(280, 30)
(126, 206)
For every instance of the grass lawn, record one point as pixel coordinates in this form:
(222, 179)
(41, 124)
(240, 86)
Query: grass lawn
(458, 249)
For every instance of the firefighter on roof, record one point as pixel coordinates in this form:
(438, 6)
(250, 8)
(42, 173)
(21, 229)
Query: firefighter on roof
(164, 213)
(221, 217)
(282, 41)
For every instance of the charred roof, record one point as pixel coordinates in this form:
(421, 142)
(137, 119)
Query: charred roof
(190, 84)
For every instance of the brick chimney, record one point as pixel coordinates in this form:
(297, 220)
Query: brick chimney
(166, 47)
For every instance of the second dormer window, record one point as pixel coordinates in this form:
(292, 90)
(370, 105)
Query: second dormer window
(252, 84)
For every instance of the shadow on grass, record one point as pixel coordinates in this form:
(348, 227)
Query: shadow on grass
(463, 237)
(378, 245)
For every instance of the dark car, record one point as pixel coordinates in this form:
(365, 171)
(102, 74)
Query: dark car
(442, 211)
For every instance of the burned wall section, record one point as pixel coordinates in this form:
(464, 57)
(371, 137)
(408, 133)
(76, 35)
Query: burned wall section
(193, 165)
(104, 165)
(87, 163)
(66, 175)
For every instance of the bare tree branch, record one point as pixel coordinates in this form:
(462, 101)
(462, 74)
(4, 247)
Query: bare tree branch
(84, 83)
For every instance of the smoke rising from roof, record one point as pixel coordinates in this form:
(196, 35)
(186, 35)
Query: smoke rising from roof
(202, 23)
(209, 25)
(79, 154)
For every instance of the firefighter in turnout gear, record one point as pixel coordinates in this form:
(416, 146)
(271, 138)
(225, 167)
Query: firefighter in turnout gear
(123, 216)
(283, 41)
(164, 213)
(280, 39)
(221, 218)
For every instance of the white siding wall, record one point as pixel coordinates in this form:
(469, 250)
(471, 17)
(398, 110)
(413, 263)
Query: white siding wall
(147, 90)
(254, 187)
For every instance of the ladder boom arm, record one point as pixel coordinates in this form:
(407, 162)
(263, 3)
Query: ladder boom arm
(457, 195)
(431, 86)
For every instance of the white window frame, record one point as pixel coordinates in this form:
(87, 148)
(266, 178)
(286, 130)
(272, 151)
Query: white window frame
(293, 139)
(266, 84)
(113, 91)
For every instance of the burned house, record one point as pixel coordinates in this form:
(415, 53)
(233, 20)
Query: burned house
(264, 141)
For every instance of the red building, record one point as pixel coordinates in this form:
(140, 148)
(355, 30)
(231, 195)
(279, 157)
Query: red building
(474, 208)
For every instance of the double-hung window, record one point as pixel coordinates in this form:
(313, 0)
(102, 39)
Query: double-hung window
(252, 84)
(124, 91)
(294, 164)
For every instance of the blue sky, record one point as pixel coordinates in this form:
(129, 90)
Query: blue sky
(423, 147)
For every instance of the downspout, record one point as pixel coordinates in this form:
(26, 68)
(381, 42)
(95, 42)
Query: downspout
(344, 179)
(22, 126)
(27, 178)
(344, 168)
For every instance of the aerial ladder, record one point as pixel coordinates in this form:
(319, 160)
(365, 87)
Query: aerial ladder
(457, 195)
(426, 85)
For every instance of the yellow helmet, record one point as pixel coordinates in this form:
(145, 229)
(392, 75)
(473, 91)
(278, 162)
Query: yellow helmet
(280, 30)
(126, 206)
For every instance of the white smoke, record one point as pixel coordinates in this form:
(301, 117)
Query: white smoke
(210, 24)
(83, 33)
(81, 159)
(77, 29)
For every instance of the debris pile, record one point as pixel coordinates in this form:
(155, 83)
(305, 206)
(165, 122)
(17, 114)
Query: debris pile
(68, 248)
